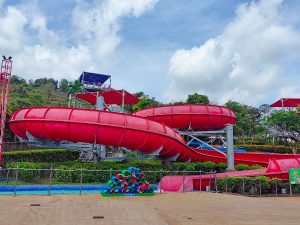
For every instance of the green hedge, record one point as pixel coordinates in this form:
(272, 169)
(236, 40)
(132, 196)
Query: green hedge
(158, 169)
(47, 155)
(252, 185)
(266, 148)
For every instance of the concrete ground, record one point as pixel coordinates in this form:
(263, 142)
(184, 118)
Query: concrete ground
(168, 208)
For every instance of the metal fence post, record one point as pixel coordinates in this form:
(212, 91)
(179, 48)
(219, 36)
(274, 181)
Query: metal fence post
(50, 180)
(183, 179)
(7, 175)
(81, 182)
(259, 184)
(16, 180)
(110, 173)
(216, 185)
(291, 191)
(243, 180)
(276, 190)
(209, 184)
(200, 181)
(160, 175)
(226, 187)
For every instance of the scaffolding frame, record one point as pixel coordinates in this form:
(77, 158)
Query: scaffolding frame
(5, 77)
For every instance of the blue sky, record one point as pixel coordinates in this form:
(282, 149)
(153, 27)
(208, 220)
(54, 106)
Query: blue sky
(227, 49)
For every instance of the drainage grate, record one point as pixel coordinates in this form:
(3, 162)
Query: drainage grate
(98, 217)
(35, 204)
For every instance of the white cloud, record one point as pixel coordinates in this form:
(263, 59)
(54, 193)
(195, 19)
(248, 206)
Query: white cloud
(290, 90)
(39, 51)
(244, 63)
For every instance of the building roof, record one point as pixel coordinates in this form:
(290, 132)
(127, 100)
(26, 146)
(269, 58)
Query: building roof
(110, 97)
(87, 78)
(287, 102)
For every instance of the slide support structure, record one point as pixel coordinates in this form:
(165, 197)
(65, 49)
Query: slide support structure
(230, 150)
(100, 149)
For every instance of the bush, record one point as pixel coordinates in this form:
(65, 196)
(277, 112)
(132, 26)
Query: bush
(47, 155)
(26, 174)
(252, 185)
(256, 167)
(265, 148)
(117, 166)
(240, 167)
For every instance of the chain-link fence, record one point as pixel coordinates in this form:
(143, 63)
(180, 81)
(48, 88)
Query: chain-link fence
(15, 181)
(20, 146)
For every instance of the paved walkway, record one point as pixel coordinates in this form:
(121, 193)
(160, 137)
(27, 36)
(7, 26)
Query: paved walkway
(172, 208)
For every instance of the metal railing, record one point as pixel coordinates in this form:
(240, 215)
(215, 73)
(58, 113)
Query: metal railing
(20, 146)
(14, 179)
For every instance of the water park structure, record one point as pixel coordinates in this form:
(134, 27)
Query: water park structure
(5, 76)
(159, 131)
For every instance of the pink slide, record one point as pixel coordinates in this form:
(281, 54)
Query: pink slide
(277, 168)
(149, 131)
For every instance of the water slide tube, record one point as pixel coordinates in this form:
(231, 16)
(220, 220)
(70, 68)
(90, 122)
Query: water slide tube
(277, 168)
(148, 130)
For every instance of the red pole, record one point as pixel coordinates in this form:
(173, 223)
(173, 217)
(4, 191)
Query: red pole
(5, 77)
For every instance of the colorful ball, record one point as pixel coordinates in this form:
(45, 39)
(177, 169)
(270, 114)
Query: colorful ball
(107, 190)
(125, 173)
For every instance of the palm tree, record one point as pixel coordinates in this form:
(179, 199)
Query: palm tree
(74, 87)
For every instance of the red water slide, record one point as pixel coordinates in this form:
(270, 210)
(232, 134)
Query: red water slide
(147, 131)
(277, 168)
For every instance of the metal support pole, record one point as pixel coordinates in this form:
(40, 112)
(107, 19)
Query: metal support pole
(81, 182)
(99, 103)
(291, 191)
(123, 100)
(276, 190)
(16, 180)
(259, 184)
(50, 180)
(99, 149)
(230, 151)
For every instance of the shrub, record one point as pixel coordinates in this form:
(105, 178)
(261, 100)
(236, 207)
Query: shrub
(47, 155)
(241, 167)
(266, 148)
(256, 167)
(155, 166)
(28, 172)
(251, 185)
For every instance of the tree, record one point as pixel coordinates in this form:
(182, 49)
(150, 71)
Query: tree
(64, 85)
(197, 99)
(287, 124)
(17, 80)
(43, 81)
(145, 102)
(74, 87)
(243, 121)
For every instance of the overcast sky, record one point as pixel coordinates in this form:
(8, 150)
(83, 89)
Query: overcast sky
(246, 51)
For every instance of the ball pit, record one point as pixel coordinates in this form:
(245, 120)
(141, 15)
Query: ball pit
(129, 182)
